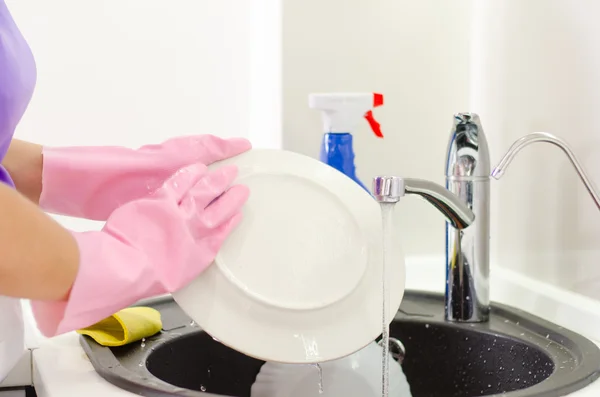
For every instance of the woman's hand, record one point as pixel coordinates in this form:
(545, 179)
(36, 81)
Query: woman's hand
(148, 247)
(91, 182)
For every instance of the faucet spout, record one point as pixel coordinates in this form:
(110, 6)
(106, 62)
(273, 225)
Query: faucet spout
(389, 189)
(455, 211)
(534, 137)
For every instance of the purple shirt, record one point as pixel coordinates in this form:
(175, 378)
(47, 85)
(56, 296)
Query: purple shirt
(17, 81)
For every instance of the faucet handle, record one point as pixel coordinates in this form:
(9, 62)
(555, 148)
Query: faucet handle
(534, 137)
(389, 189)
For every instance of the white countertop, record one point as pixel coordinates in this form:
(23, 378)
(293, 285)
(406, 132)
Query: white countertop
(21, 374)
(61, 368)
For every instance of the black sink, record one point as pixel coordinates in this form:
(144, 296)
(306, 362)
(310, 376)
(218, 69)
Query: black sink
(514, 355)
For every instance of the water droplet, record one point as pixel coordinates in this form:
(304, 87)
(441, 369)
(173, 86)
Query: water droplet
(141, 364)
(192, 323)
(426, 325)
(143, 342)
(202, 388)
(468, 298)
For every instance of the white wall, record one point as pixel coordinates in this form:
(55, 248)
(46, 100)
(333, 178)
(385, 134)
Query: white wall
(130, 72)
(536, 68)
(416, 54)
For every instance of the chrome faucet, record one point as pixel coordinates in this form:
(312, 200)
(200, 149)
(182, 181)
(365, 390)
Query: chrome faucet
(466, 204)
(467, 250)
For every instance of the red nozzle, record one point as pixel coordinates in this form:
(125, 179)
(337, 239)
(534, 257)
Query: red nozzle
(377, 100)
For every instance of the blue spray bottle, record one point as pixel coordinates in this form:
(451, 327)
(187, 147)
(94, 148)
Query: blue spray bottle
(341, 114)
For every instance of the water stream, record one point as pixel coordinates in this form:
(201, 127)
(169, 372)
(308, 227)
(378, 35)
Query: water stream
(386, 216)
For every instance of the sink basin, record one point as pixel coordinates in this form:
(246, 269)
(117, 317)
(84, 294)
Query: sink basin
(514, 355)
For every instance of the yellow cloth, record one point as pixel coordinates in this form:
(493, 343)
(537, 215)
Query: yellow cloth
(124, 327)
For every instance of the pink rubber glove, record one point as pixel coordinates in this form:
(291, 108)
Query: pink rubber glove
(91, 182)
(148, 247)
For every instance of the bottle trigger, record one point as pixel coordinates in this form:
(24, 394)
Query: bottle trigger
(375, 126)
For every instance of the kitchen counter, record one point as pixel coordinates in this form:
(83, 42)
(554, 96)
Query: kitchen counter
(61, 368)
(21, 374)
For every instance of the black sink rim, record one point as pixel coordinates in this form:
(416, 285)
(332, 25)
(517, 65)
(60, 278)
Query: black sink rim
(142, 382)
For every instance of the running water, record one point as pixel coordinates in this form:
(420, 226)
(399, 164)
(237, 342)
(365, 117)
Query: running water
(386, 216)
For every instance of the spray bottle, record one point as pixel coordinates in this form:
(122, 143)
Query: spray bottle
(341, 115)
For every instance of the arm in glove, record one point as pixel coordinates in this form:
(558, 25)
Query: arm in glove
(91, 182)
(148, 247)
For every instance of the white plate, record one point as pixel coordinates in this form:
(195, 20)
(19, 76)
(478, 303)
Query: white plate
(299, 280)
